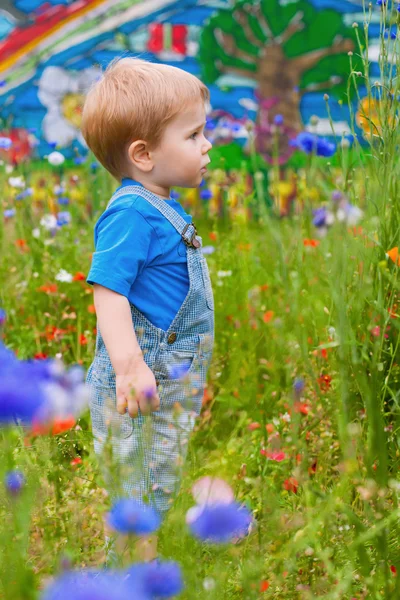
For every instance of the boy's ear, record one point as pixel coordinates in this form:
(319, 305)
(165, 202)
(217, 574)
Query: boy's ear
(140, 157)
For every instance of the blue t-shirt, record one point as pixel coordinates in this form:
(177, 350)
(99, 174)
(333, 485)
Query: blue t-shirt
(140, 255)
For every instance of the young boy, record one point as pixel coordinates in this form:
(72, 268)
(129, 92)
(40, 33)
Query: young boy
(152, 292)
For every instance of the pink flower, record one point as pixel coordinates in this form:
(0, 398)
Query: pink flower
(276, 455)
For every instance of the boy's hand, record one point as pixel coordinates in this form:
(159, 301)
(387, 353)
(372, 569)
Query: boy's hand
(137, 389)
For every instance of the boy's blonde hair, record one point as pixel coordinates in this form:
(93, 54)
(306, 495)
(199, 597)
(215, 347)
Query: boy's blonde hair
(134, 100)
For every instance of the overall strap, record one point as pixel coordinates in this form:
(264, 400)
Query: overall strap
(187, 231)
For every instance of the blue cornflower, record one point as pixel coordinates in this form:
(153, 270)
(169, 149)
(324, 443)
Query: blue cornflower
(14, 482)
(308, 143)
(156, 579)
(210, 124)
(391, 32)
(179, 371)
(24, 194)
(278, 119)
(206, 194)
(63, 200)
(128, 516)
(175, 195)
(221, 523)
(91, 585)
(63, 218)
(21, 396)
(79, 160)
(53, 145)
(3, 316)
(94, 166)
(398, 8)
(9, 212)
(5, 143)
(381, 2)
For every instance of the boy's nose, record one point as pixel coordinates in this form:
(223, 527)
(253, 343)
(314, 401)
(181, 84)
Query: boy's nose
(207, 146)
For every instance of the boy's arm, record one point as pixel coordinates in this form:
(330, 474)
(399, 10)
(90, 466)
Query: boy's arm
(115, 323)
(136, 386)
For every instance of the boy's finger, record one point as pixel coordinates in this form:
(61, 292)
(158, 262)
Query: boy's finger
(133, 408)
(155, 403)
(145, 404)
(121, 404)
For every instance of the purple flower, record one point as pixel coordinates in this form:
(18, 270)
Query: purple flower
(3, 316)
(91, 585)
(129, 516)
(320, 215)
(14, 482)
(221, 523)
(156, 579)
(278, 120)
(337, 196)
(298, 386)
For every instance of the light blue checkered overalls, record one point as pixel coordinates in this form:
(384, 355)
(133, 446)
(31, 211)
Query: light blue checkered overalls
(148, 452)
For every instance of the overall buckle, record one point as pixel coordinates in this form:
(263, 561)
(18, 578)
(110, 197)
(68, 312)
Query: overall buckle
(192, 243)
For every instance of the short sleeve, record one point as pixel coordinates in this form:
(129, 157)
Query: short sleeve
(123, 241)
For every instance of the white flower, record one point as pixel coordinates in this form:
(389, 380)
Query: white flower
(59, 87)
(9, 169)
(56, 159)
(286, 417)
(16, 182)
(64, 276)
(224, 273)
(49, 222)
(208, 249)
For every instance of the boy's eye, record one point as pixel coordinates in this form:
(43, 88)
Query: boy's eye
(193, 136)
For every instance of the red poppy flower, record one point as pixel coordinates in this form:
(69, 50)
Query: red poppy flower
(48, 288)
(40, 356)
(79, 276)
(54, 427)
(324, 382)
(312, 243)
(268, 316)
(82, 340)
(253, 426)
(291, 485)
(264, 585)
(301, 407)
(393, 569)
(76, 461)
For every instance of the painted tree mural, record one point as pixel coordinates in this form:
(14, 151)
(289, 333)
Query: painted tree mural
(287, 48)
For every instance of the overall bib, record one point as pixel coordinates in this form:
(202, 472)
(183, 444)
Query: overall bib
(148, 452)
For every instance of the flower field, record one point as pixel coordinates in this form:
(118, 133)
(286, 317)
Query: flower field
(291, 487)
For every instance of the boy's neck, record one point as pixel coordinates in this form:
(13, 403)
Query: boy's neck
(160, 191)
